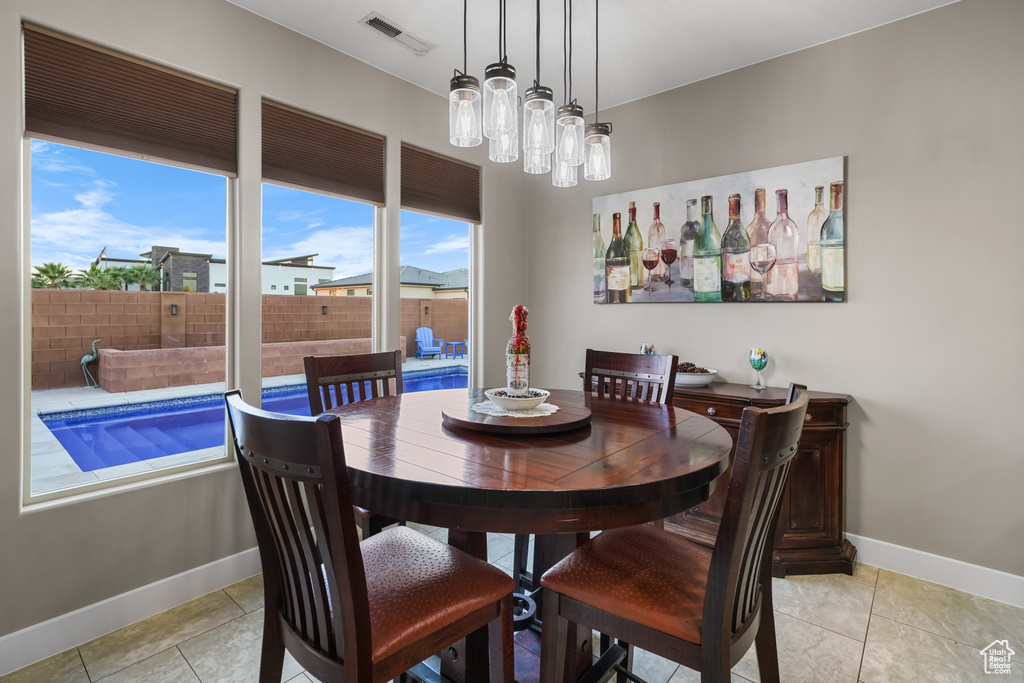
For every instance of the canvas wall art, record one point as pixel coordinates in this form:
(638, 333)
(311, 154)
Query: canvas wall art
(774, 235)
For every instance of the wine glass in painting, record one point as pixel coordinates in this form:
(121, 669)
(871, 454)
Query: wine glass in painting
(668, 255)
(650, 258)
(758, 359)
(762, 259)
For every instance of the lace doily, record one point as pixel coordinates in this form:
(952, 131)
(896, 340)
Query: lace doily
(488, 408)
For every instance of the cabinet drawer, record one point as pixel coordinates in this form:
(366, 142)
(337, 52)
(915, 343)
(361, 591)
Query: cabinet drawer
(821, 416)
(714, 409)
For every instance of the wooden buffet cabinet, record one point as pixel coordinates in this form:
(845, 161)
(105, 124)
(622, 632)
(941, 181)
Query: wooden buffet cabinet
(812, 522)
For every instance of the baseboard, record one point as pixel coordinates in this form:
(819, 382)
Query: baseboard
(35, 643)
(970, 578)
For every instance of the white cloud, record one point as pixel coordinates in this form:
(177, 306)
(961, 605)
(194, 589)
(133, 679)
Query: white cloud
(348, 249)
(49, 160)
(453, 243)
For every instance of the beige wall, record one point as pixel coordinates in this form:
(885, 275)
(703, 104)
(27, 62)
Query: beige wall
(65, 557)
(929, 113)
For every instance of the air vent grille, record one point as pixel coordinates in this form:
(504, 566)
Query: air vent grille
(384, 27)
(392, 31)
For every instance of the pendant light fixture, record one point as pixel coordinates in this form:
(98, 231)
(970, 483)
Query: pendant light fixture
(538, 121)
(569, 122)
(501, 98)
(464, 101)
(597, 142)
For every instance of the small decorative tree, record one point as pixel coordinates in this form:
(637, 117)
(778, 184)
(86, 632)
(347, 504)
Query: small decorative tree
(145, 276)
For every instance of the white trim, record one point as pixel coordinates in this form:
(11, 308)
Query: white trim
(35, 643)
(970, 578)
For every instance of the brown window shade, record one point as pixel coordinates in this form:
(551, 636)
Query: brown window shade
(309, 151)
(84, 93)
(438, 184)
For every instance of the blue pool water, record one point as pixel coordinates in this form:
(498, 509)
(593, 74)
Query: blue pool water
(118, 435)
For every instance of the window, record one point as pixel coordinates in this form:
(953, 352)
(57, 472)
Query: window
(120, 296)
(350, 292)
(273, 287)
(322, 280)
(310, 237)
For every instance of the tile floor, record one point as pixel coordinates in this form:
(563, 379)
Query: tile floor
(873, 627)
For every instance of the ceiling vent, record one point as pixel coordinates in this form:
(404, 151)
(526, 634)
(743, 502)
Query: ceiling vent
(395, 33)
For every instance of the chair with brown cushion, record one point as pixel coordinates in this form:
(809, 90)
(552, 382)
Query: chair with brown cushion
(653, 589)
(636, 375)
(350, 611)
(332, 381)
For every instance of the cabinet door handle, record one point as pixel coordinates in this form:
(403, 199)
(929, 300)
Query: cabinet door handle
(807, 417)
(711, 410)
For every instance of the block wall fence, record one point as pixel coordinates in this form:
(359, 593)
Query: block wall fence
(65, 323)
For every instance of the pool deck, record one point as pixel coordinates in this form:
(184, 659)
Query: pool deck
(52, 468)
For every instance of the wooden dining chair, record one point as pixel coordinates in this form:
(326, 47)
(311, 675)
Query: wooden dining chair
(332, 381)
(636, 375)
(653, 589)
(350, 611)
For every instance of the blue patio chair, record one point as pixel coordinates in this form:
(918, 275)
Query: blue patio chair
(426, 345)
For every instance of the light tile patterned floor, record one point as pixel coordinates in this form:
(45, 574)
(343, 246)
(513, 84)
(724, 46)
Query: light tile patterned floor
(873, 627)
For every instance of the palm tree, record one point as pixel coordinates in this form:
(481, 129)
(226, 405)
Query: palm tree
(51, 276)
(95, 278)
(120, 275)
(145, 275)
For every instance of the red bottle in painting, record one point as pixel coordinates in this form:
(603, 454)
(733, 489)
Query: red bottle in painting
(517, 356)
(783, 281)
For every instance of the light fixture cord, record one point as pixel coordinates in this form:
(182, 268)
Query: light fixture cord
(538, 43)
(465, 48)
(565, 51)
(570, 50)
(597, 57)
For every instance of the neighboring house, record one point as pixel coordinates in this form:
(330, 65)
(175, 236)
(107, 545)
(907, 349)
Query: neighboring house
(416, 283)
(188, 272)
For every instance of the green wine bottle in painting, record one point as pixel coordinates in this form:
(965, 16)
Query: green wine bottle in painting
(814, 223)
(600, 282)
(656, 240)
(833, 279)
(757, 233)
(687, 234)
(707, 257)
(616, 266)
(783, 281)
(635, 244)
(735, 256)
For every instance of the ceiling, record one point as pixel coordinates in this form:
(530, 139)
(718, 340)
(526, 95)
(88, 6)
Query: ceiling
(647, 46)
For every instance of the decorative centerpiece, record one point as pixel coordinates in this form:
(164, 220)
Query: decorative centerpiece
(517, 356)
(648, 350)
(758, 359)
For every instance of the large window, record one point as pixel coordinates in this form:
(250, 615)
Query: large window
(435, 290)
(314, 245)
(128, 330)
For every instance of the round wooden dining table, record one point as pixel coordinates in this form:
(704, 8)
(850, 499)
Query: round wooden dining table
(635, 462)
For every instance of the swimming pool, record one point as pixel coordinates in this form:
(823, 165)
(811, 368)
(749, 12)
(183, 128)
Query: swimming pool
(117, 435)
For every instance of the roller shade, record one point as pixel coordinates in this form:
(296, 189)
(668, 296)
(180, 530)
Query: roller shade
(310, 151)
(441, 185)
(84, 93)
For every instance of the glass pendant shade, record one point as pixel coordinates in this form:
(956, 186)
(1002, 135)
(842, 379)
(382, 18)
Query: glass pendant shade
(539, 120)
(536, 162)
(597, 164)
(504, 149)
(564, 175)
(464, 103)
(569, 135)
(501, 100)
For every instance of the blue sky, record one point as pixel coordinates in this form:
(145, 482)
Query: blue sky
(84, 200)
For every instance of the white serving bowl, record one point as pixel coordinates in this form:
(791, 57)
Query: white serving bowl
(509, 403)
(695, 379)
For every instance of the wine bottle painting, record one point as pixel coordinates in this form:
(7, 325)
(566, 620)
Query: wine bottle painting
(773, 235)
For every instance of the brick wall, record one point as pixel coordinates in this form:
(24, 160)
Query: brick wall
(65, 322)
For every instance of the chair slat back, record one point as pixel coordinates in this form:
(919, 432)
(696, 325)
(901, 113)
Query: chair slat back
(332, 381)
(636, 375)
(296, 484)
(425, 336)
(741, 559)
